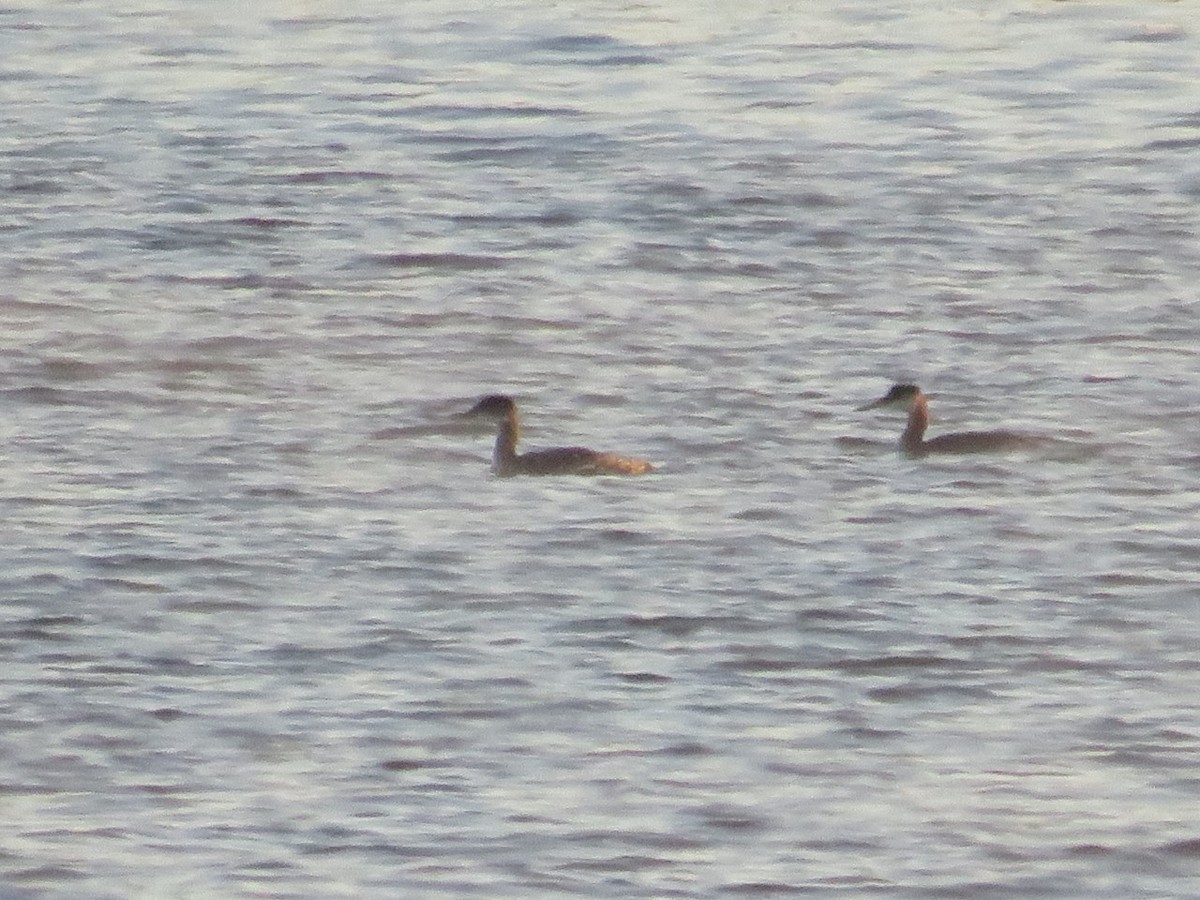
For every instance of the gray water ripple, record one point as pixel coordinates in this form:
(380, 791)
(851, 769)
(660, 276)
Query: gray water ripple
(273, 628)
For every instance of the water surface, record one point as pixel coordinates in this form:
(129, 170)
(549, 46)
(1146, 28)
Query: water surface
(272, 630)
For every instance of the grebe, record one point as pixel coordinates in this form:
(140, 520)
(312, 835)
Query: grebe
(506, 461)
(909, 397)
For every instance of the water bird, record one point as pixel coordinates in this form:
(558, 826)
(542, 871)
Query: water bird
(910, 397)
(506, 461)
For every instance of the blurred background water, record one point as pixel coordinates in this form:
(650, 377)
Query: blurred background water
(271, 629)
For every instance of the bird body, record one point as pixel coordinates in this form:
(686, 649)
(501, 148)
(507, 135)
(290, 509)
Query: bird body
(506, 461)
(913, 442)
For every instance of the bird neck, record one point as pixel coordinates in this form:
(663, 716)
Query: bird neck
(506, 441)
(918, 421)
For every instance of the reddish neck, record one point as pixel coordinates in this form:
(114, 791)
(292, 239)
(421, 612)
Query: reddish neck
(918, 421)
(506, 442)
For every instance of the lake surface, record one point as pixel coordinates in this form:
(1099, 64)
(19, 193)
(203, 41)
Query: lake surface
(271, 629)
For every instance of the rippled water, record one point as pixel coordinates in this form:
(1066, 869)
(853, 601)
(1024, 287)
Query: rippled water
(270, 628)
